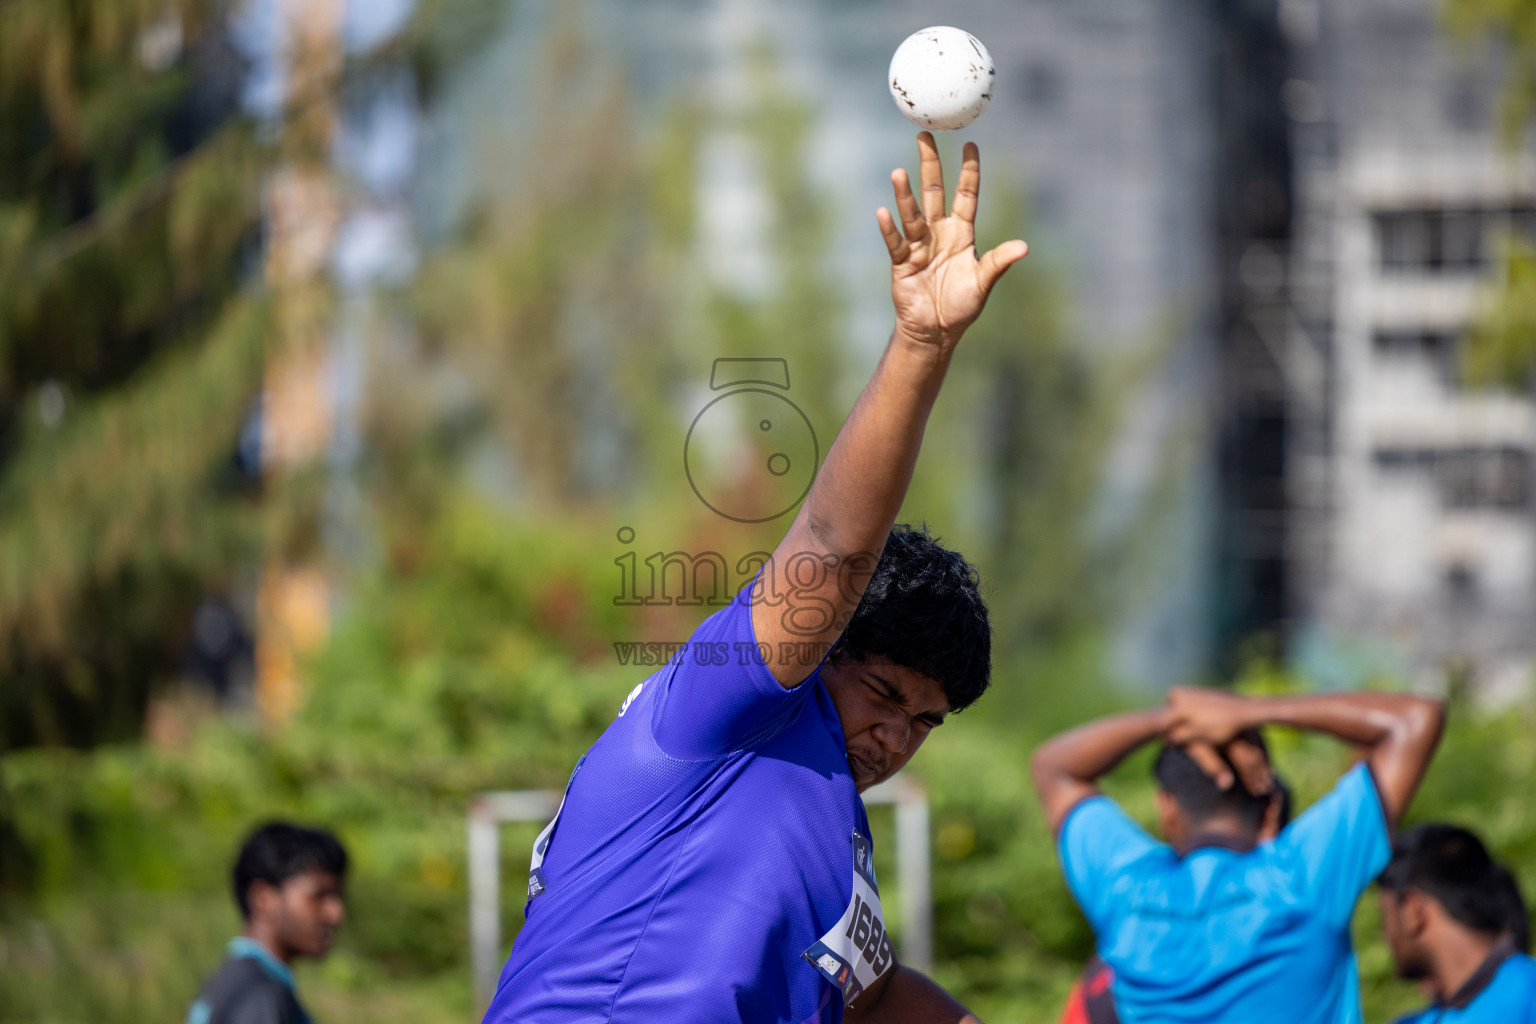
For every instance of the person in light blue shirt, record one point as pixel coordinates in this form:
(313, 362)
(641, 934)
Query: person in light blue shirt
(1213, 925)
(1455, 921)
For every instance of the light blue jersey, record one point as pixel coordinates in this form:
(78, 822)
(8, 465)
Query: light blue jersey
(1223, 935)
(711, 861)
(1502, 993)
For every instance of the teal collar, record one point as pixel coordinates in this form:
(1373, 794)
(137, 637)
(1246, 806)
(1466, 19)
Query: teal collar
(240, 945)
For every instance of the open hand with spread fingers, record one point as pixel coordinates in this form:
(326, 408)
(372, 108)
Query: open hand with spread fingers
(938, 282)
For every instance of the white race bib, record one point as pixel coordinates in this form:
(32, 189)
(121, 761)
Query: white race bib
(857, 950)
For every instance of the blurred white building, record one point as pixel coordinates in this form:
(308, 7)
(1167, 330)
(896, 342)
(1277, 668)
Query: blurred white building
(1412, 524)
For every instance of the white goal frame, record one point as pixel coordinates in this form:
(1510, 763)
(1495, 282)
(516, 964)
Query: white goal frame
(489, 811)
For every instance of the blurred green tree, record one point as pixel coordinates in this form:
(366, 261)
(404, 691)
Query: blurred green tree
(132, 340)
(128, 351)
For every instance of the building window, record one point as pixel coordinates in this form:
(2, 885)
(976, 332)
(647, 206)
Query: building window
(1451, 240)
(1465, 478)
(1440, 350)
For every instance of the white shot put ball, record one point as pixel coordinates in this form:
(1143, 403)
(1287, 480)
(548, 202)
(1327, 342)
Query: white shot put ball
(941, 78)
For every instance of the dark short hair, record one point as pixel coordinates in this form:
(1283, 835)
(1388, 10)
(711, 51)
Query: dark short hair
(1451, 866)
(923, 610)
(278, 851)
(1197, 793)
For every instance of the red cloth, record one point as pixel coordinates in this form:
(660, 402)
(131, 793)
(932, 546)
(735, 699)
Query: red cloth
(1076, 1011)
(1091, 1001)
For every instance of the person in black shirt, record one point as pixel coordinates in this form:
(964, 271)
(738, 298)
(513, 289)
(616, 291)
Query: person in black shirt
(288, 886)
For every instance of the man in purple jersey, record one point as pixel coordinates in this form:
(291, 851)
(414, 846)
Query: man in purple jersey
(712, 860)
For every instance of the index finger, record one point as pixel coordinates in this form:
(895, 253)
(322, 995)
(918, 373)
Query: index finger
(931, 172)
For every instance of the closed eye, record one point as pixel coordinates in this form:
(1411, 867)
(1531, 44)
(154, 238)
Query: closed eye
(886, 690)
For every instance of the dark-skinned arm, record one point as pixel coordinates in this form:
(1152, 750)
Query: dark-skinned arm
(1067, 767)
(906, 996)
(1398, 731)
(939, 285)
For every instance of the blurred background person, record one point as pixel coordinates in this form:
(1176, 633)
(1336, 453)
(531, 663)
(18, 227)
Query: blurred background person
(1457, 924)
(1092, 999)
(1211, 925)
(288, 885)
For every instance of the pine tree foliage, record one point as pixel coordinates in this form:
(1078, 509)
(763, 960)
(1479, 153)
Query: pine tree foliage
(129, 354)
(132, 335)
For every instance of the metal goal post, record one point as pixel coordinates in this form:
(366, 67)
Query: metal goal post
(489, 811)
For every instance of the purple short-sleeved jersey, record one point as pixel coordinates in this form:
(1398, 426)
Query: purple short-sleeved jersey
(705, 844)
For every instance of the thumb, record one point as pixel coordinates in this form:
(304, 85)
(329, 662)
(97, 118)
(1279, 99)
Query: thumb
(998, 259)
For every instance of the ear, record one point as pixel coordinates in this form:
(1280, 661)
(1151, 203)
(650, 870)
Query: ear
(1415, 912)
(1170, 818)
(263, 899)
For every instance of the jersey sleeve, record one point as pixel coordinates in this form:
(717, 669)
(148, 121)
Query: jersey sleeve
(1342, 842)
(1097, 841)
(719, 695)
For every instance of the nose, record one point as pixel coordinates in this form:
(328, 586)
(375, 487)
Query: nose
(335, 912)
(892, 732)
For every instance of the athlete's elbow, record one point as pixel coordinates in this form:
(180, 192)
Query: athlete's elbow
(1044, 769)
(1423, 719)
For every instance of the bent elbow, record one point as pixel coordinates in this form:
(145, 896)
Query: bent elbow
(1043, 769)
(1425, 718)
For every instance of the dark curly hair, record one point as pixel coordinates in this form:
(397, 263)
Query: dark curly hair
(923, 610)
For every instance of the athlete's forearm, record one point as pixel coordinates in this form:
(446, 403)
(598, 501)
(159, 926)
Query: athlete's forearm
(856, 495)
(847, 516)
(1399, 731)
(1365, 719)
(909, 997)
(1067, 767)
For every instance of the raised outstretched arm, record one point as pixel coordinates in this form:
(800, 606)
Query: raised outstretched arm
(939, 285)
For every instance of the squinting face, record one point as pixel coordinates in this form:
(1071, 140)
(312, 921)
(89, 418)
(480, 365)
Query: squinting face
(309, 909)
(887, 711)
